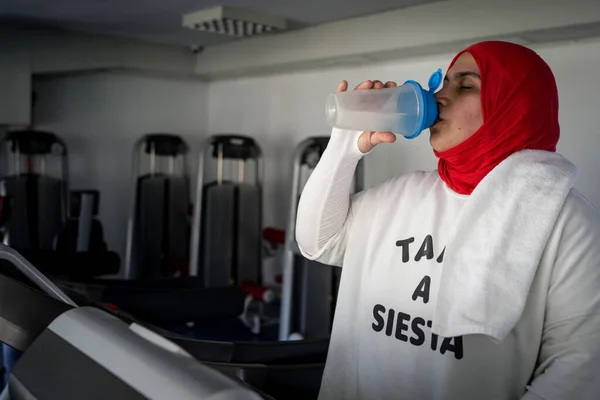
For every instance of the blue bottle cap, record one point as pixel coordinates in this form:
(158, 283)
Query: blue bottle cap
(435, 80)
(427, 103)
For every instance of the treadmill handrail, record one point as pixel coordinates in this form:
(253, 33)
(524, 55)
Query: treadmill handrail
(31, 272)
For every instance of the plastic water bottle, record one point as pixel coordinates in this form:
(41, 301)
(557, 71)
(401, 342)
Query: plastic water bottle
(407, 109)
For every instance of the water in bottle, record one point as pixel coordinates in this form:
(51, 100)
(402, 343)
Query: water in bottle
(407, 109)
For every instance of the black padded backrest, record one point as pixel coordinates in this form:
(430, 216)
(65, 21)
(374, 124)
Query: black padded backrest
(231, 234)
(161, 223)
(313, 283)
(37, 214)
(218, 234)
(50, 210)
(218, 237)
(249, 233)
(149, 221)
(178, 218)
(21, 224)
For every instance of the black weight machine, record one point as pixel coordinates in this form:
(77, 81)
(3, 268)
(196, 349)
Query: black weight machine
(36, 182)
(44, 223)
(227, 215)
(226, 245)
(158, 226)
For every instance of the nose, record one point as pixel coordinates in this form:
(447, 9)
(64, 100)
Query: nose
(441, 98)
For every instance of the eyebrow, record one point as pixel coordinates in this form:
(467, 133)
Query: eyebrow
(462, 74)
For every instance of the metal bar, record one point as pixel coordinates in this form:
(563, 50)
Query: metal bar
(152, 159)
(196, 220)
(129, 245)
(285, 317)
(241, 171)
(220, 164)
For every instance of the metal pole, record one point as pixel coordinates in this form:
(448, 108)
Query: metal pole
(152, 159)
(195, 240)
(241, 171)
(288, 258)
(220, 165)
(129, 245)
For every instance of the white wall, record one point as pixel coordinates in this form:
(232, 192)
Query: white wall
(281, 110)
(101, 116)
(15, 89)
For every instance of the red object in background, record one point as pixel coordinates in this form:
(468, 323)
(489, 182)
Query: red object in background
(257, 292)
(110, 306)
(274, 235)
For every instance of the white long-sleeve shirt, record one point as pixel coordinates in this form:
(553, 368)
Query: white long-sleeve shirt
(390, 241)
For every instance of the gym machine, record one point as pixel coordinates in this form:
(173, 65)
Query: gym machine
(81, 242)
(309, 288)
(36, 182)
(226, 247)
(44, 217)
(157, 236)
(226, 243)
(158, 225)
(71, 351)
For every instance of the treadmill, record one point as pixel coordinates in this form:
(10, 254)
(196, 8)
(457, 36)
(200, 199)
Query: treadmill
(74, 352)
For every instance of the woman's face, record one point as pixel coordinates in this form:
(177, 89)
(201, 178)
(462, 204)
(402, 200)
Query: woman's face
(459, 105)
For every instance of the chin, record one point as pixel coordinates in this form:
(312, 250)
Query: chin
(436, 140)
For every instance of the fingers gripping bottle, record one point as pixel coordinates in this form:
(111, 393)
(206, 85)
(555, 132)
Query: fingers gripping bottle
(407, 109)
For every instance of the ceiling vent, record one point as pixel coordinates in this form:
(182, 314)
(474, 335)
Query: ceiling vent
(233, 21)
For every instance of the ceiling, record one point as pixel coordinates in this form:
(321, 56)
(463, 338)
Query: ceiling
(159, 21)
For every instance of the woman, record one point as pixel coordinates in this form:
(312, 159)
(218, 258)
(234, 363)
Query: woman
(478, 280)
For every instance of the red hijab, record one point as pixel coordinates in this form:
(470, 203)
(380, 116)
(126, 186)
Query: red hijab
(519, 101)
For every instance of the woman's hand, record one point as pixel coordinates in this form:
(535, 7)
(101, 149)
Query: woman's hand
(368, 140)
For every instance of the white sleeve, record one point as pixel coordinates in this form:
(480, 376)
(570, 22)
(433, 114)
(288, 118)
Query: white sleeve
(569, 358)
(325, 208)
